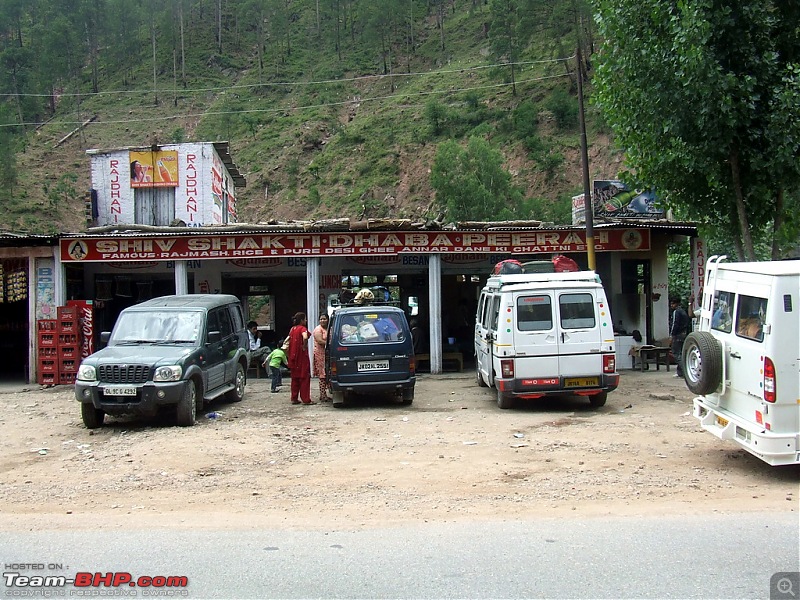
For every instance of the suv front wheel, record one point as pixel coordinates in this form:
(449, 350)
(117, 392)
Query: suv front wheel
(92, 417)
(185, 411)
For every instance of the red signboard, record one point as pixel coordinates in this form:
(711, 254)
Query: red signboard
(244, 245)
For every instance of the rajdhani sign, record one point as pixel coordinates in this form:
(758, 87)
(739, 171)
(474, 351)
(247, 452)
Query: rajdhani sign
(231, 246)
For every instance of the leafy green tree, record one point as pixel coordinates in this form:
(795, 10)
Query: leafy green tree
(472, 183)
(700, 95)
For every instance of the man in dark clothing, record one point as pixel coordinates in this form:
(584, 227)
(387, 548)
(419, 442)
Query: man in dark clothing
(679, 327)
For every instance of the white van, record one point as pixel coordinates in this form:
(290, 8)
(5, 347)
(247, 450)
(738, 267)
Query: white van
(545, 334)
(742, 360)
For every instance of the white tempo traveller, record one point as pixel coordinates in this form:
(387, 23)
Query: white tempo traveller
(742, 359)
(545, 334)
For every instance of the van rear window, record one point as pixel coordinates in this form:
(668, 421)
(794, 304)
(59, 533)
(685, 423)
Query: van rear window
(721, 317)
(577, 311)
(534, 313)
(750, 317)
(370, 329)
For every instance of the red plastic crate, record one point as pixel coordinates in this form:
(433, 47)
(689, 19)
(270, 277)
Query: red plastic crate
(48, 352)
(47, 365)
(47, 339)
(67, 339)
(67, 312)
(67, 326)
(68, 352)
(47, 378)
(66, 378)
(68, 365)
(47, 324)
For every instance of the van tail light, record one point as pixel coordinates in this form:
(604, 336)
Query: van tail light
(332, 369)
(507, 368)
(770, 385)
(609, 363)
(412, 365)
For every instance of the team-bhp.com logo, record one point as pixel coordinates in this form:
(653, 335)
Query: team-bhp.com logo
(92, 584)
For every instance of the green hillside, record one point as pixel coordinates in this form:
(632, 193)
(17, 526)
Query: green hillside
(332, 108)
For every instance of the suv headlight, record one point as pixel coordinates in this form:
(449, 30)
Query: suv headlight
(168, 373)
(87, 373)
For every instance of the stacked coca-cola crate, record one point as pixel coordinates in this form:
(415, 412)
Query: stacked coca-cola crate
(59, 347)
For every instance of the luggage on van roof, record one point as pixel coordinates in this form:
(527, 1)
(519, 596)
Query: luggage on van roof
(508, 267)
(558, 264)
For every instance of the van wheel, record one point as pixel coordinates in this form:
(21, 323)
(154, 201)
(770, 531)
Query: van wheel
(92, 417)
(237, 393)
(338, 399)
(702, 362)
(408, 397)
(185, 411)
(598, 400)
(504, 401)
(478, 378)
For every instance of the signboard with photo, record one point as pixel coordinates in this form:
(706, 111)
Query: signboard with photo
(612, 198)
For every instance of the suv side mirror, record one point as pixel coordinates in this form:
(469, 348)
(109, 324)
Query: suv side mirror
(214, 337)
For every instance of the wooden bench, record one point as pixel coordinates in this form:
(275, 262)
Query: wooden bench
(659, 355)
(455, 358)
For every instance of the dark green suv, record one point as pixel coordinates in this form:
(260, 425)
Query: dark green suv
(176, 351)
(370, 352)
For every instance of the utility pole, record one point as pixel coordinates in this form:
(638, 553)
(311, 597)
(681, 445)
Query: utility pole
(588, 205)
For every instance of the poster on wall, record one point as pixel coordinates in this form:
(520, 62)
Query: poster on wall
(45, 288)
(613, 198)
(154, 169)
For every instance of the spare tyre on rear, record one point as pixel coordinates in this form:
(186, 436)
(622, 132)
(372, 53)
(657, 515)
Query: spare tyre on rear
(702, 362)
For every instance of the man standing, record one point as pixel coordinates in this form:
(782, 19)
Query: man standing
(679, 327)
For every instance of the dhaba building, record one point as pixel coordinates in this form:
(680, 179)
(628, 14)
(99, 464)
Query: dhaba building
(164, 220)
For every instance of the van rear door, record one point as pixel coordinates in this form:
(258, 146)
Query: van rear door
(557, 334)
(580, 338)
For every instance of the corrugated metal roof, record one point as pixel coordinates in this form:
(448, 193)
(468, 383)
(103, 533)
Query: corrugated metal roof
(342, 225)
(10, 239)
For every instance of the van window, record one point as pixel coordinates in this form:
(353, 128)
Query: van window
(534, 313)
(495, 314)
(481, 309)
(750, 317)
(721, 319)
(577, 311)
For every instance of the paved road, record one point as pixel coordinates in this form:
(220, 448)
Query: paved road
(702, 556)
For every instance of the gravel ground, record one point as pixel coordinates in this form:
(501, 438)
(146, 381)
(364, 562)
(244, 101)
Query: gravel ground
(453, 455)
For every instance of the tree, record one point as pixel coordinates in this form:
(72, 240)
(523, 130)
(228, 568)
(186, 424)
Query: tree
(504, 35)
(472, 183)
(699, 96)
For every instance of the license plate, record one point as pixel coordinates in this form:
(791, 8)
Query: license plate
(722, 422)
(572, 382)
(373, 365)
(119, 390)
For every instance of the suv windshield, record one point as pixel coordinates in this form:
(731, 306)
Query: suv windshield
(141, 326)
(370, 328)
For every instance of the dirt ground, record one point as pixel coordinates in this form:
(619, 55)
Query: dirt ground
(453, 455)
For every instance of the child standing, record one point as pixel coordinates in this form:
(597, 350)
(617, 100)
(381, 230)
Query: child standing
(275, 359)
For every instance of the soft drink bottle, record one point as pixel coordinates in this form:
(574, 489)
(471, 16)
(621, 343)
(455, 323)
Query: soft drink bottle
(163, 172)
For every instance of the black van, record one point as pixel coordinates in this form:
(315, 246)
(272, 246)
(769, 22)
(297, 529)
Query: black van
(176, 351)
(370, 351)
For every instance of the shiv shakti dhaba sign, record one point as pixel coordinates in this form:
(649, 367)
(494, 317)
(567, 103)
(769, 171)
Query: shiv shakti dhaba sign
(227, 246)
